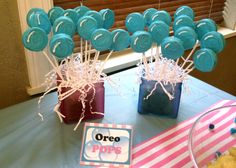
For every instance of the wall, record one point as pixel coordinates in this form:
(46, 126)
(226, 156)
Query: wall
(13, 71)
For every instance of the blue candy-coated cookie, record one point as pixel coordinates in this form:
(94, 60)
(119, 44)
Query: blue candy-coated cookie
(64, 25)
(54, 13)
(172, 48)
(214, 41)
(32, 12)
(187, 35)
(184, 10)
(161, 16)
(81, 10)
(147, 14)
(159, 31)
(72, 14)
(97, 16)
(141, 41)
(61, 45)
(41, 20)
(183, 20)
(120, 40)
(108, 17)
(205, 60)
(135, 22)
(86, 26)
(204, 26)
(35, 39)
(101, 39)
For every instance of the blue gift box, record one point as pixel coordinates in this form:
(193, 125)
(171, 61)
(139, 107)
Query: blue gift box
(159, 103)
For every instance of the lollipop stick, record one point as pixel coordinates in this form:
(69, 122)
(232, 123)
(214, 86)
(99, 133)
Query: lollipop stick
(81, 50)
(86, 50)
(147, 70)
(190, 54)
(156, 61)
(190, 70)
(105, 61)
(54, 67)
(90, 48)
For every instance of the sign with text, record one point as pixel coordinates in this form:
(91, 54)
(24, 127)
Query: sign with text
(106, 145)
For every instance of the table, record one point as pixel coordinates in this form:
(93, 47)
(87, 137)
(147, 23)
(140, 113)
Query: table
(27, 142)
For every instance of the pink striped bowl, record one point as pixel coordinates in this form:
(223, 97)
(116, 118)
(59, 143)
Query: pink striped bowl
(203, 142)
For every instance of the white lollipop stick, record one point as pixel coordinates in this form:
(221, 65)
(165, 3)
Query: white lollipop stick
(157, 59)
(190, 54)
(105, 61)
(90, 48)
(81, 50)
(147, 70)
(86, 51)
(54, 67)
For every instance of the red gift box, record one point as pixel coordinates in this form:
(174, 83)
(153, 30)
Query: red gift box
(72, 108)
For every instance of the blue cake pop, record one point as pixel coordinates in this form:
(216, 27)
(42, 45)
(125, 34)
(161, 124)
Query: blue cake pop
(184, 10)
(147, 14)
(205, 60)
(41, 20)
(86, 26)
(159, 30)
(35, 39)
(81, 10)
(204, 26)
(161, 16)
(97, 16)
(55, 13)
(135, 22)
(183, 20)
(108, 17)
(214, 41)
(64, 25)
(34, 11)
(101, 39)
(141, 41)
(187, 35)
(172, 48)
(120, 39)
(61, 45)
(72, 14)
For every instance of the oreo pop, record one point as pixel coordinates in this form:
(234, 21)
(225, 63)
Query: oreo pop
(120, 40)
(35, 39)
(161, 16)
(81, 10)
(71, 13)
(97, 16)
(172, 48)
(135, 22)
(141, 41)
(184, 10)
(34, 11)
(61, 45)
(147, 14)
(108, 17)
(183, 20)
(159, 30)
(204, 26)
(86, 26)
(101, 39)
(39, 19)
(187, 35)
(55, 13)
(205, 60)
(214, 41)
(64, 25)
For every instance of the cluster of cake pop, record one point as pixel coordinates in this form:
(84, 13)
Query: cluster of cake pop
(79, 72)
(152, 28)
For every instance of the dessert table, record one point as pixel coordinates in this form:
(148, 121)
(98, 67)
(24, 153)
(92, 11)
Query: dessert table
(26, 141)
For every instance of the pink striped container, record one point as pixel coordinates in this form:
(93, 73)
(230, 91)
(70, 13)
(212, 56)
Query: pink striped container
(203, 142)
